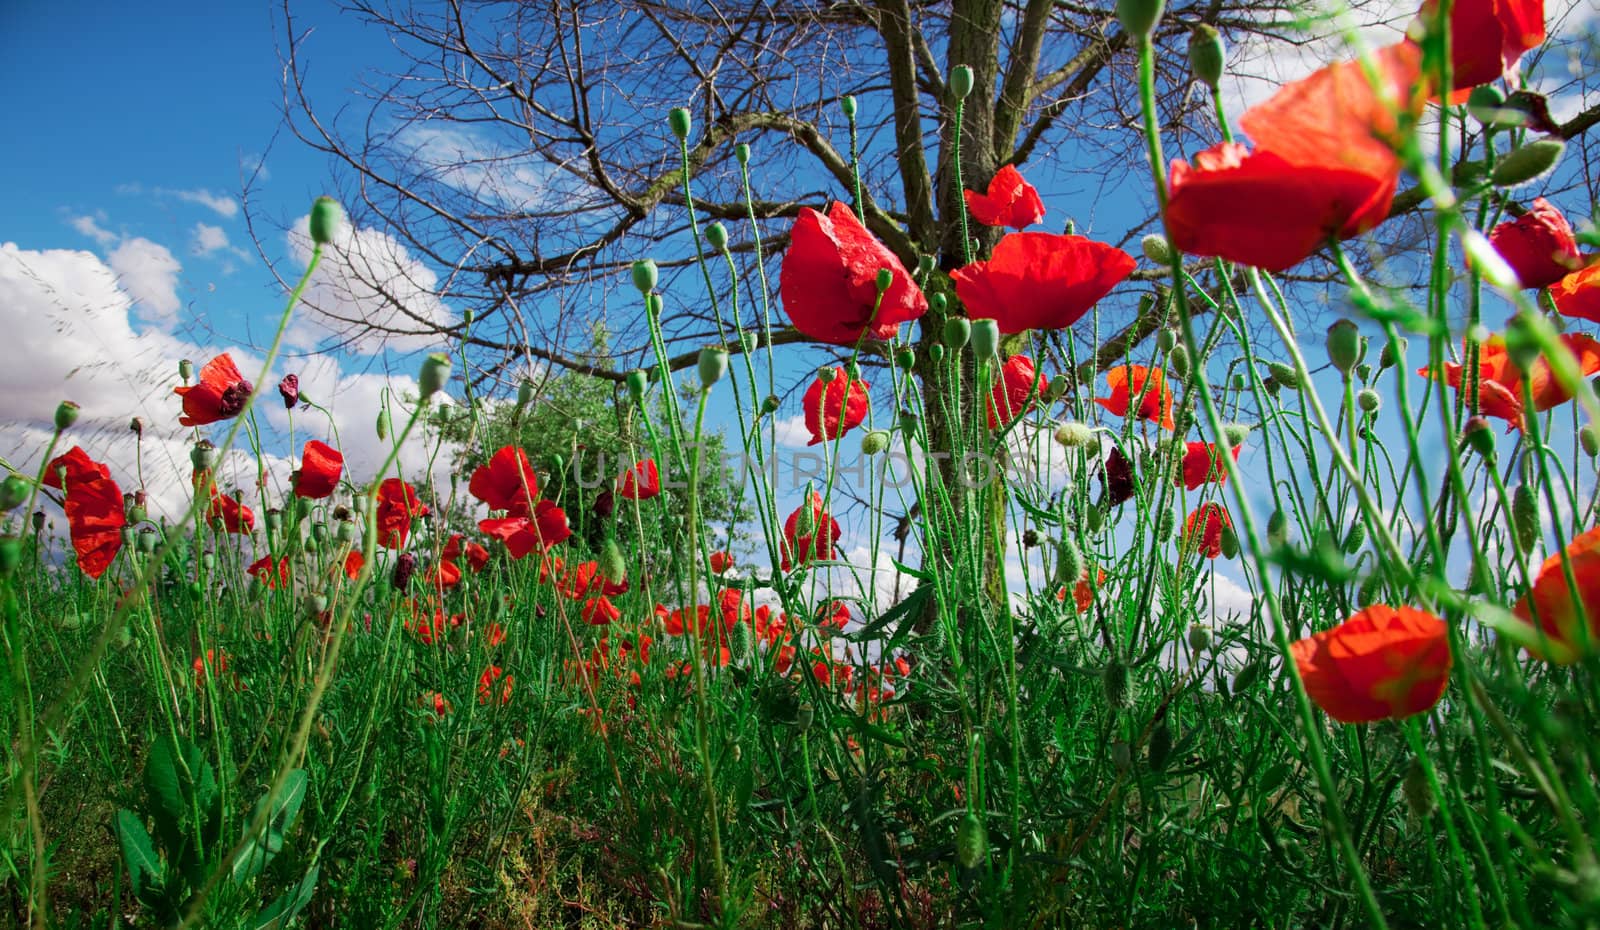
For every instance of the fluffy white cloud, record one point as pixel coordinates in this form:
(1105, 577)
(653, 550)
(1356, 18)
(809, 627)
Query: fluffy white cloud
(148, 273)
(220, 204)
(90, 226)
(208, 238)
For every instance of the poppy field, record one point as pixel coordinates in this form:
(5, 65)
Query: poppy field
(1254, 624)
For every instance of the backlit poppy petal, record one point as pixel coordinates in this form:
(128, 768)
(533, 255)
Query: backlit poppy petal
(829, 280)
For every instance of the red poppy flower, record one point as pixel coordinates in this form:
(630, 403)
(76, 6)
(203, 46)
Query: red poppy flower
(434, 701)
(75, 466)
(220, 393)
(521, 535)
(809, 533)
(1500, 384)
(506, 483)
(1039, 280)
(1146, 385)
(1578, 294)
(1538, 245)
(586, 578)
(477, 556)
(320, 467)
(829, 280)
(1203, 462)
(397, 505)
(599, 611)
(486, 682)
(720, 562)
(833, 409)
(204, 665)
(835, 614)
(442, 575)
(94, 508)
(1013, 391)
(1384, 663)
(1202, 530)
(641, 482)
(1565, 638)
(353, 563)
(262, 570)
(674, 623)
(1488, 37)
(1083, 591)
(233, 516)
(1010, 201)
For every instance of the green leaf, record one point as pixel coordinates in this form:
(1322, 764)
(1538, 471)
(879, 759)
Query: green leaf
(276, 916)
(259, 850)
(138, 853)
(894, 615)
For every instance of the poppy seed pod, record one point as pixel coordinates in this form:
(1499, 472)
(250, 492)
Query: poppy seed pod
(185, 370)
(38, 521)
(1344, 345)
(717, 236)
(874, 441)
(713, 364)
(66, 414)
(936, 353)
(848, 105)
(985, 339)
(1527, 163)
(742, 153)
(1199, 637)
(435, 372)
(146, 541)
(885, 280)
(346, 532)
(1139, 17)
(383, 425)
(938, 303)
(679, 121)
(1156, 248)
(203, 456)
(1368, 400)
(957, 332)
(326, 218)
(906, 359)
(637, 381)
(645, 275)
(803, 716)
(1207, 57)
(960, 82)
(13, 491)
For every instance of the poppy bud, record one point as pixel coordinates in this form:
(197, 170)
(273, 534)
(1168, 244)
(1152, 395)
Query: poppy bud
(1166, 523)
(1388, 358)
(203, 456)
(825, 375)
(38, 521)
(137, 512)
(1075, 435)
(405, 565)
(383, 425)
(10, 555)
(1178, 360)
(957, 331)
(435, 372)
(637, 381)
(315, 606)
(612, 564)
(1364, 370)
(960, 82)
(906, 359)
(1587, 438)
(938, 303)
(1166, 340)
(770, 404)
(274, 520)
(1139, 17)
(717, 236)
(1486, 103)
(1199, 637)
(885, 280)
(1344, 345)
(749, 342)
(1356, 536)
(848, 105)
(742, 153)
(66, 415)
(1157, 249)
(326, 218)
(1230, 542)
(679, 122)
(1368, 400)
(1057, 389)
(1527, 163)
(908, 423)
(1524, 517)
(524, 393)
(1094, 519)
(1248, 675)
(346, 532)
(1416, 790)
(972, 841)
(645, 275)
(713, 365)
(136, 426)
(1284, 374)
(1206, 55)
(13, 491)
(1521, 347)
(1069, 561)
(1121, 755)
(185, 370)
(936, 353)
(874, 441)
(803, 716)
(985, 339)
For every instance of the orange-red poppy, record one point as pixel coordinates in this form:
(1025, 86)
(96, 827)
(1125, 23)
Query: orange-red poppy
(1037, 280)
(1202, 529)
(1488, 37)
(1013, 392)
(320, 467)
(262, 570)
(397, 505)
(477, 556)
(1500, 383)
(1083, 591)
(506, 483)
(835, 407)
(641, 482)
(521, 535)
(486, 682)
(94, 508)
(1009, 201)
(1578, 294)
(220, 394)
(599, 611)
(1538, 245)
(227, 512)
(1384, 663)
(1147, 386)
(829, 280)
(1567, 638)
(1203, 462)
(720, 562)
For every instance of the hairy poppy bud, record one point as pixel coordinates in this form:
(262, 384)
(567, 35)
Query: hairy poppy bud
(1069, 561)
(1075, 435)
(1387, 358)
(1139, 17)
(1524, 517)
(1230, 542)
(1206, 55)
(679, 121)
(717, 236)
(524, 393)
(1364, 371)
(645, 275)
(1160, 747)
(637, 382)
(1178, 360)
(203, 456)
(1199, 637)
(1587, 438)
(770, 404)
(905, 359)
(13, 492)
(1248, 675)
(10, 555)
(1284, 374)
(885, 280)
(66, 414)
(1478, 435)
(1486, 104)
(1121, 755)
(1527, 163)
(326, 218)
(908, 422)
(803, 716)
(1416, 790)
(1356, 537)
(985, 339)
(826, 375)
(1344, 345)
(1166, 340)
(848, 105)
(612, 564)
(874, 441)
(346, 532)
(712, 366)
(960, 82)
(405, 565)
(957, 331)
(1157, 249)
(383, 425)
(1368, 400)
(972, 841)
(742, 153)
(435, 371)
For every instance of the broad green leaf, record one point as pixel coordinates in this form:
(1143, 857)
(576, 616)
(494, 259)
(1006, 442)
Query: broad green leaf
(278, 914)
(138, 852)
(259, 850)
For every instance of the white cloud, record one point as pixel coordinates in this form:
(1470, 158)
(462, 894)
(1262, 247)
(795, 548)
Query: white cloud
(474, 165)
(220, 204)
(208, 238)
(148, 272)
(90, 226)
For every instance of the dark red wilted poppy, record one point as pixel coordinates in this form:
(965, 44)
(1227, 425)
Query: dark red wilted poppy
(641, 482)
(1488, 37)
(233, 516)
(220, 393)
(599, 611)
(521, 535)
(1013, 391)
(1117, 479)
(262, 570)
(397, 505)
(1578, 294)
(1384, 663)
(1203, 462)
(1010, 201)
(320, 467)
(1500, 384)
(809, 533)
(834, 408)
(289, 390)
(1538, 245)
(94, 508)
(829, 280)
(1037, 280)
(506, 483)
(1565, 637)
(477, 556)
(1147, 386)
(1202, 530)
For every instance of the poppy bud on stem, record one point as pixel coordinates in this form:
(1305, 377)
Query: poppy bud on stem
(1139, 17)
(326, 218)
(713, 365)
(645, 275)
(66, 415)
(1344, 345)
(985, 339)
(435, 371)
(637, 382)
(1527, 163)
(1206, 55)
(679, 121)
(960, 82)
